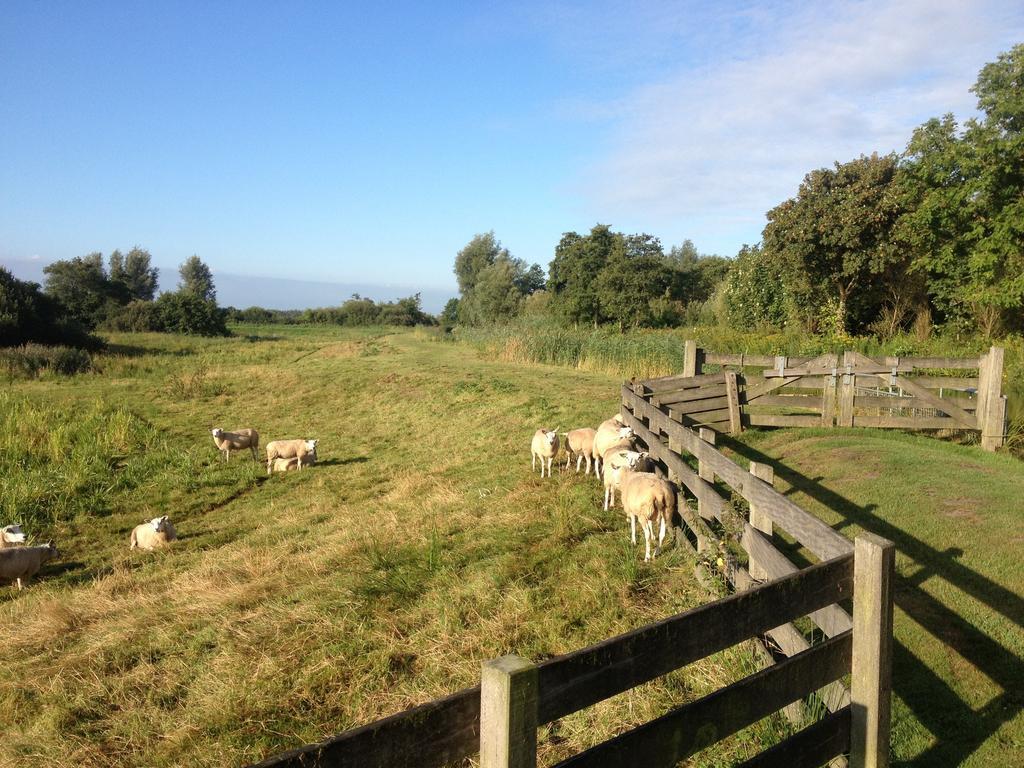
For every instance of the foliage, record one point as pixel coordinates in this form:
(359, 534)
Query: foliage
(628, 284)
(361, 311)
(450, 313)
(835, 240)
(261, 316)
(135, 272)
(197, 279)
(29, 315)
(29, 360)
(189, 313)
(492, 282)
(572, 275)
(755, 291)
(81, 285)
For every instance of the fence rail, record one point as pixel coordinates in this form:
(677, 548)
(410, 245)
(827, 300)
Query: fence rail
(837, 391)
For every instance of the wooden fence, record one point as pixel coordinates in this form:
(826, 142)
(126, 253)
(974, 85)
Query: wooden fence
(829, 391)
(499, 718)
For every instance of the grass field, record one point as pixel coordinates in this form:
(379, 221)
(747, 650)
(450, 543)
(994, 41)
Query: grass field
(303, 604)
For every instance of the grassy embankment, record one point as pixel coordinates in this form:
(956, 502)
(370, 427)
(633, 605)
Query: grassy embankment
(301, 605)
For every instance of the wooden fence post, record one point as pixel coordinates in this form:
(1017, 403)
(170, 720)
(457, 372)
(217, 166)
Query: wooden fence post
(704, 470)
(508, 713)
(759, 519)
(846, 392)
(732, 395)
(828, 394)
(693, 359)
(871, 681)
(991, 403)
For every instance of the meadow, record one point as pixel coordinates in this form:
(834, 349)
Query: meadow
(299, 605)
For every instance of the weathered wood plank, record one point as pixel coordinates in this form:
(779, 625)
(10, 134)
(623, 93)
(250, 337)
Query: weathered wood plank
(908, 422)
(871, 677)
(821, 370)
(733, 397)
(777, 420)
(934, 401)
(433, 734)
(991, 416)
(789, 401)
(759, 521)
(807, 529)
(762, 388)
(812, 747)
(692, 727)
(832, 620)
(745, 360)
(834, 695)
(948, 382)
(577, 680)
(688, 395)
(882, 401)
(667, 383)
(955, 363)
(696, 406)
(508, 713)
(706, 417)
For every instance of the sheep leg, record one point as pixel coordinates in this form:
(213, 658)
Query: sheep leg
(551, 459)
(533, 462)
(648, 535)
(19, 584)
(632, 529)
(606, 498)
(613, 495)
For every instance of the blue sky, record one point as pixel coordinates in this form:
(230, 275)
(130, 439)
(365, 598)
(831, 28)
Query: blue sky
(366, 145)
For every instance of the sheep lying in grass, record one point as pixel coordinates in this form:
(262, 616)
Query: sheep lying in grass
(11, 536)
(543, 447)
(19, 564)
(158, 532)
(649, 499)
(303, 450)
(238, 440)
(610, 435)
(579, 443)
(286, 465)
(616, 460)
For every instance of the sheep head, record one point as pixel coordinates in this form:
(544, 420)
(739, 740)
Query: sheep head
(159, 523)
(626, 433)
(12, 534)
(217, 432)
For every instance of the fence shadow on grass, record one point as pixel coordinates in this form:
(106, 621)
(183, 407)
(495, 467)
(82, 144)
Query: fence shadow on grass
(958, 729)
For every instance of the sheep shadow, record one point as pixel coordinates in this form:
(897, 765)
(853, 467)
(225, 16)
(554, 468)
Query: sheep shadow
(342, 462)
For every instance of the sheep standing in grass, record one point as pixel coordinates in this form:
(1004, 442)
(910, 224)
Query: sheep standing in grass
(649, 499)
(303, 450)
(614, 461)
(579, 443)
(238, 440)
(543, 447)
(610, 435)
(19, 564)
(158, 532)
(11, 536)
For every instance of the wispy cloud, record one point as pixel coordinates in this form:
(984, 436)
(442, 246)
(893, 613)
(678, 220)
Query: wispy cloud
(728, 138)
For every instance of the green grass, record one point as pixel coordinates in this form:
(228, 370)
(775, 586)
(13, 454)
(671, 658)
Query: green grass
(300, 605)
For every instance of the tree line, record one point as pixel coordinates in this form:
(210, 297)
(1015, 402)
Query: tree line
(933, 236)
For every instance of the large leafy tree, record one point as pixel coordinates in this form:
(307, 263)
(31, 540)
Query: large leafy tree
(492, 282)
(197, 279)
(135, 272)
(85, 290)
(572, 276)
(965, 191)
(836, 241)
(27, 314)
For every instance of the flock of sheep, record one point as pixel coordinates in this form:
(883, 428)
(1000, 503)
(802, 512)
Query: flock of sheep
(610, 452)
(20, 562)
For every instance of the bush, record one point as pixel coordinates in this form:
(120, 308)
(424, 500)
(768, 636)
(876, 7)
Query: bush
(136, 317)
(30, 360)
(191, 314)
(28, 315)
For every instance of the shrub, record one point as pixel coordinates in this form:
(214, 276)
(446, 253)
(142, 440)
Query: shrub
(189, 313)
(29, 360)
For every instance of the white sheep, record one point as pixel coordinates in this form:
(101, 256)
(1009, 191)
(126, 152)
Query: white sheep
(610, 435)
(543, 447)
(286, 465)
(303, 450)
(579, 443)
(11, 536)
(614, 461)
(158, 532)
(19, 564)
(647, 498)
(238, 440)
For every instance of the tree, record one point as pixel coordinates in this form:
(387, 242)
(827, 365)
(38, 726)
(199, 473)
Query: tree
(497, 294)
(82, 286)
(627, 285)
(836, 241)
(135, 272)
(29, 315)
(965, 192)
(190, 313)
(755, 292)
(450, 313)
(572, 276)
(197, 279)
(478, 254)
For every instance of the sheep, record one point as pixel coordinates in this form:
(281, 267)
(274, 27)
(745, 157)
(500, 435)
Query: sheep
(237, 440)
(286, 465)
(19, 564)
(11, 536)
(647, 497)
(614, 461)
(610, 436)
(303, 450)
(579, 443)
(158, 532)
(544, 446)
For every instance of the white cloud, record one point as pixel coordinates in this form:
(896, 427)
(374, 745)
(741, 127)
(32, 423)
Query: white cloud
(725, 141)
